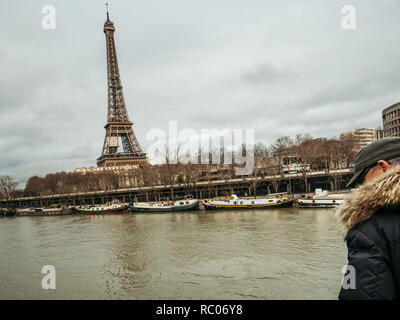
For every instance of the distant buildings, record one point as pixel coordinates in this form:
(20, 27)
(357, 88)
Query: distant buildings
(391, 128)
(363, 136)
(391, 120)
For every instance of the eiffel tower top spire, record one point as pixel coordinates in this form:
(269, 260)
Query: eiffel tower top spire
(108, 25)
(108, 17)
(118, 127)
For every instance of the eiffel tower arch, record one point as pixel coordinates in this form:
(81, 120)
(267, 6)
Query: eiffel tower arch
(119, 130)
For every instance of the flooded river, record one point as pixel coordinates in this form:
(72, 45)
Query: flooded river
(273, 254)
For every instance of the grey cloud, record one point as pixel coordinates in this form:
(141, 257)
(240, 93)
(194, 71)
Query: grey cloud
(264, 73)
(278, 67)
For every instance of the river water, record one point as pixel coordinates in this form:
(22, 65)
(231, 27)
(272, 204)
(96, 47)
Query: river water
(274, 254)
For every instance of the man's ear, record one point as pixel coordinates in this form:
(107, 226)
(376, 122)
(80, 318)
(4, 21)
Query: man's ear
(384, 165)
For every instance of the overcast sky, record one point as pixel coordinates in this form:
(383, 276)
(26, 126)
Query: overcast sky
(278, 67)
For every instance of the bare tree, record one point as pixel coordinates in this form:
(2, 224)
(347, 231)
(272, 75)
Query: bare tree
(347, 149)
(307, 153)
(261, 162)
(7, 186)
(34, 186)
(280, 149)
(188, 175)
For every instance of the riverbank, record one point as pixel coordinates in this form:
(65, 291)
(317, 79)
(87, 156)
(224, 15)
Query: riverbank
(70, 210)
(291, 183)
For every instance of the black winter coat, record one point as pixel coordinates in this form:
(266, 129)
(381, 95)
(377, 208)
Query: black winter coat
(372, 217)
(374, 251)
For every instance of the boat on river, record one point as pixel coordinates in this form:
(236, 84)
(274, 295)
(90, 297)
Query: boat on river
(51, 211)
(322, 199)
(165, 206)
(112, 207)
(9, 212)
(234, 202)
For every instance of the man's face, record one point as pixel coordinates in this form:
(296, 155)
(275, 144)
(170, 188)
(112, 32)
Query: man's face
(381, 167)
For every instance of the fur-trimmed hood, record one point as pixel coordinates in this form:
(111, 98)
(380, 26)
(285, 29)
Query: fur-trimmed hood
(361, 204)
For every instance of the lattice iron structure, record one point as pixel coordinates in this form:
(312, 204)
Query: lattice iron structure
(118, 127)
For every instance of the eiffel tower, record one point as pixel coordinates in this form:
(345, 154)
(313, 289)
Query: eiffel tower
(119, 131)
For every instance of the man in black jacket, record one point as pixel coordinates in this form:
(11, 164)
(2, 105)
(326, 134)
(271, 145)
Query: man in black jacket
(371, 216)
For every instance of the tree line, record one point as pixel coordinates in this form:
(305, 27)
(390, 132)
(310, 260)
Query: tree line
(303, 151)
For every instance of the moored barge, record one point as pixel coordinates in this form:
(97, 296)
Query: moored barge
(165, 206)
(322, 199)
(33, 211)
(8, 212)
(114, 207)
(236, 203)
